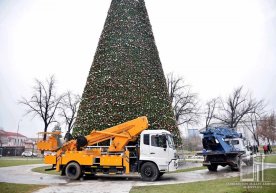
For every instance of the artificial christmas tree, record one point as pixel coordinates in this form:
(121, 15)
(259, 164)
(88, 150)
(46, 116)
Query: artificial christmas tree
(126, 79)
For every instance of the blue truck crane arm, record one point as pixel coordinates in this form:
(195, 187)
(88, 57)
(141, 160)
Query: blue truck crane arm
(214, 139)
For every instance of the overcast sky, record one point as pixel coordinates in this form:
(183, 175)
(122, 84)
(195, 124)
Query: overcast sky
(216, 45)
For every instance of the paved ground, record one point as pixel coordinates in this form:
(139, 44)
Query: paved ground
(106, 184)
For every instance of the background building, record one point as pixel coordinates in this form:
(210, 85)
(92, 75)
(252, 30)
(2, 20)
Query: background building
(14, 144)
(11, 138)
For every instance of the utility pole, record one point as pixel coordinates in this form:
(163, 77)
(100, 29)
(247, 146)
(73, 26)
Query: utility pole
(33, 143)
(16, 141)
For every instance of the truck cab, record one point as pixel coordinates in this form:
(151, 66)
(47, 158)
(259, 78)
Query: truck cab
(240, 144)
(157, 152)
(236, 143)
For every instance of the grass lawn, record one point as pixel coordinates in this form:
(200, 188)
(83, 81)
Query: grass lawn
(42, 170)
(190, 169)
(6, 163)
(270, 159)
(217, 186)
(19, 188)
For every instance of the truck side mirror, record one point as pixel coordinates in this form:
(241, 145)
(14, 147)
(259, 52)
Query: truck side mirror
(164, 141)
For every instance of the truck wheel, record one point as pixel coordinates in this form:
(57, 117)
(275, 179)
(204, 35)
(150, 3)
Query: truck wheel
(213, 167)
(73, 171)
(149, 172)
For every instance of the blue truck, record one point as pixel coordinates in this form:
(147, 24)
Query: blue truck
(225, 147)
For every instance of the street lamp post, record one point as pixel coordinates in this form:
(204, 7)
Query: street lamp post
(33, 148)
(16, 141)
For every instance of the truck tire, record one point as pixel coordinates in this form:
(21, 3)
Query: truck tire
(149, 172)
(73, 171)
(212, 167)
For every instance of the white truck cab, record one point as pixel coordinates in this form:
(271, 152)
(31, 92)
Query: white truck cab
(157, 149)
(241, 144)
(237, 143)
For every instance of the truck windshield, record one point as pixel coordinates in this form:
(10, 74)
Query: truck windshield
(170, 141)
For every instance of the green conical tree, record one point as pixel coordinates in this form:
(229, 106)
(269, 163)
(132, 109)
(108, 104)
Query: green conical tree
(126, 79)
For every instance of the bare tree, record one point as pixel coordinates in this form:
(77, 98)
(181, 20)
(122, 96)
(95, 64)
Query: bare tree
(267, 128)
(237, 105)
(251, 121)
(44, 102)
(184, 102)
(69, 107)
(210, 111)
